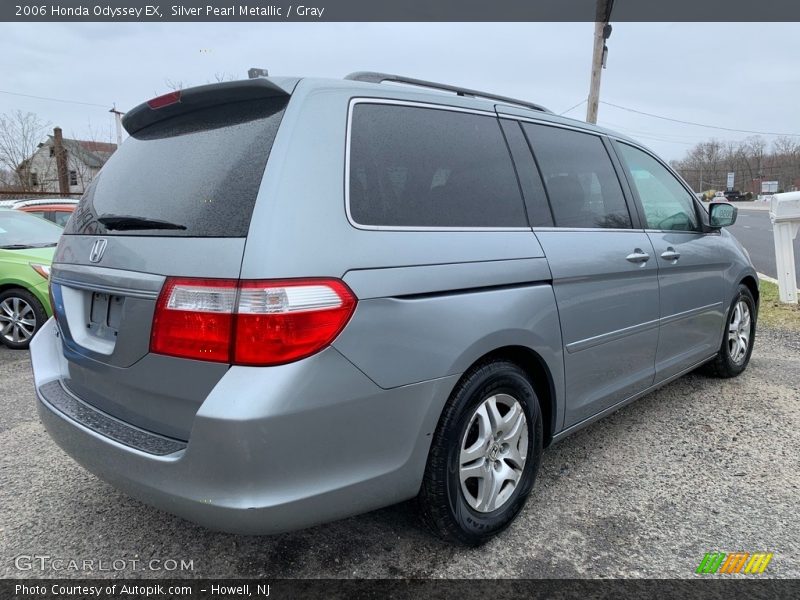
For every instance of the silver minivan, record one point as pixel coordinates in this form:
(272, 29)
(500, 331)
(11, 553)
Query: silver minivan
(286, 301)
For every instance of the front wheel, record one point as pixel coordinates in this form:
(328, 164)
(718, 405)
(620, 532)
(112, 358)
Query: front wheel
(484, 455)
(738, 337)
(21, 316)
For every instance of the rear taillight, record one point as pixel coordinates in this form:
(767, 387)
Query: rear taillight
(249, 322)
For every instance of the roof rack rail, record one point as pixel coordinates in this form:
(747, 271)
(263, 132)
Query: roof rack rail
(372, 77)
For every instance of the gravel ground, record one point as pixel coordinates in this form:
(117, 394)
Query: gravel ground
(699, 466)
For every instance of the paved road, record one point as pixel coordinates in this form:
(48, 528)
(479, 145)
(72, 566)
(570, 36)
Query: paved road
(754, 230)
(699, 466)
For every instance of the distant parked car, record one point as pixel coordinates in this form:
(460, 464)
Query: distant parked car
(27, 244)
(57, 210)
(735, 196)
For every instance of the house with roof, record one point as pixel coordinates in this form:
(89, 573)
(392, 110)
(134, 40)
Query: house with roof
(84, 159)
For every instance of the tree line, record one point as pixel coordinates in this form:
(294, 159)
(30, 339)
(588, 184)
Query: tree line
(752, 160)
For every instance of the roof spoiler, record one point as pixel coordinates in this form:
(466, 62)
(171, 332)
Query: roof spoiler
(203, 96)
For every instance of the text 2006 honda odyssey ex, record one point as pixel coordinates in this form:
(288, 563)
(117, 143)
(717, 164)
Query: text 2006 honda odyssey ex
(285, 301)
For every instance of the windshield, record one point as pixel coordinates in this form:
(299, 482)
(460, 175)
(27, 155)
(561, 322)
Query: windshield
(196, 174)
(21, 230)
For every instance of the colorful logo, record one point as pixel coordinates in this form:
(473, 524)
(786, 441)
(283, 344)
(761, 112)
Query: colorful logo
(734, 562)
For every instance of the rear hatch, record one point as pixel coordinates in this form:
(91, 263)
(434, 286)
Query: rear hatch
(174, 201)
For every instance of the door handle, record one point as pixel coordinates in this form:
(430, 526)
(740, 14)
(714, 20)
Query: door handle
(670, 254)
(638, 256)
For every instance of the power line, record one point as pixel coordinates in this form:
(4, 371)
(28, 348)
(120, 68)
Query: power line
(658, 137)
(53, 99)
(647, 114)
(572, 107)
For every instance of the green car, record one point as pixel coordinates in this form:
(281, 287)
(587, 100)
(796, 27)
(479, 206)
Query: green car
(27, 245)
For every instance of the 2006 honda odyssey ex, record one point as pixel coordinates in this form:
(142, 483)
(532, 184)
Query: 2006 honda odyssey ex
(285, 301)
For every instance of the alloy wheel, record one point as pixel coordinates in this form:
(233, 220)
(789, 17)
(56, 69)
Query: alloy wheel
(493, 452)
(739, 332)
(17, 320)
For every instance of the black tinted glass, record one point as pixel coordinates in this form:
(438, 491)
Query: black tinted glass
(581, 182)
(421, 167)
(194, 175)
(535, 198)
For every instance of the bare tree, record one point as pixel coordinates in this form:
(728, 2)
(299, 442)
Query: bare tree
(7, 178)
(20, 136)
(223, 76)
(785, 161)
(174, 85)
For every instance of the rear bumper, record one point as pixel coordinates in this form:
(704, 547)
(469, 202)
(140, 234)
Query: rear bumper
(271, 449)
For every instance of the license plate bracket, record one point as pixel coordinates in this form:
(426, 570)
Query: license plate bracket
(105, 315)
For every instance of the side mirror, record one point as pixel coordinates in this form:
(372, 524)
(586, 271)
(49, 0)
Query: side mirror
(721, 214)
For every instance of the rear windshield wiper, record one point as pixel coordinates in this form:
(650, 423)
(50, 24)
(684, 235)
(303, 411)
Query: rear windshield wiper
(27, 246)
(129, 223)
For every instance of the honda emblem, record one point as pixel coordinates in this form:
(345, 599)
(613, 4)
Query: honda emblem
(98, 248)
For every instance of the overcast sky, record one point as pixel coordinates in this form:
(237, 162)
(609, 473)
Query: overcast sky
(739, 75)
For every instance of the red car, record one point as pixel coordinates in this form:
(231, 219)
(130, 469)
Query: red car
(56, 210)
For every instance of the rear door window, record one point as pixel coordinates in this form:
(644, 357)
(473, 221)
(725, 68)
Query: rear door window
(424, 167)
(581, 182)
(194, 175)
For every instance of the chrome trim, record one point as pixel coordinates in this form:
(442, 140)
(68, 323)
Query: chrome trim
(580, 229)
(540, 121)
(97, 250)
(105, 289)
(390, 101)
(683, 231)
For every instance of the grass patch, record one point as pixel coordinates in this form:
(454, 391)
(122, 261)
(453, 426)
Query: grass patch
(775, 313)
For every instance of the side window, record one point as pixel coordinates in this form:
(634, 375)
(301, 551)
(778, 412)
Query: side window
(423, 167)
(667, 205)
(580, 179)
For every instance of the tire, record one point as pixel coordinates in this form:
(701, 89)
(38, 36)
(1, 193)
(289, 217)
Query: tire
(468, 513)
(730, 361)
(21, 316)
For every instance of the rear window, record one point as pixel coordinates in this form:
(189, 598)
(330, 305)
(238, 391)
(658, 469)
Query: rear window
(194, 175)
(423, 167)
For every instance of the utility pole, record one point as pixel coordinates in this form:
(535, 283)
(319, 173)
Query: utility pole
(61, 161)
(602, 31)
(118, 117)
